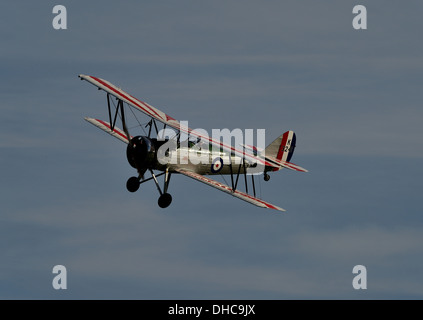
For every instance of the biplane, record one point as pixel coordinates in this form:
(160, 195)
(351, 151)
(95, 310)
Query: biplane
(142, 151)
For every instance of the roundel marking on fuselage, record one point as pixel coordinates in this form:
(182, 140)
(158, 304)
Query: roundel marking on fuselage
(217, 165)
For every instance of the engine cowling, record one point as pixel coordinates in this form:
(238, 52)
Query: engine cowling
(141, 152)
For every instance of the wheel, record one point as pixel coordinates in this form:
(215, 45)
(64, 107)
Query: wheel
(266, 177)
(164, 200)
(132, 184)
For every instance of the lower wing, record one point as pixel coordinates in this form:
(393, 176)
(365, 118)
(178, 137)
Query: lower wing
(223, 187)
(105, 126)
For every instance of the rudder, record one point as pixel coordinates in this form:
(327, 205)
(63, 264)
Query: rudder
(282, 148)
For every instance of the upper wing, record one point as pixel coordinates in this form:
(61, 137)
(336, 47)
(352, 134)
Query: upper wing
(105, 126)
(223, 187)
(169, 121)
(132, 101)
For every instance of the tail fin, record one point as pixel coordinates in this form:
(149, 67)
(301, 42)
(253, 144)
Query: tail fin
(283, 147)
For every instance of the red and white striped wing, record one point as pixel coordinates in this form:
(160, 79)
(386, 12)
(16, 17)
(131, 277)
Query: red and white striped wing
(168, 120)
(223, 187)
(132, 101)
(105, 126)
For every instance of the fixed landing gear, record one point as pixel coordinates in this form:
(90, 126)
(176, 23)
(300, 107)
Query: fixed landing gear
(133, 184)
(266, 177)
(164, 200)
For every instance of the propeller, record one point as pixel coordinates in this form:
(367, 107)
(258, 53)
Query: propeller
(136, 151)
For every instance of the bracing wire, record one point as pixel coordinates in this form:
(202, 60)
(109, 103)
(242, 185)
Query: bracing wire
(139, 123)
(224, 179)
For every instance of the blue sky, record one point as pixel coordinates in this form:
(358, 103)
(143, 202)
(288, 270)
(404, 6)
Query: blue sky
(352, 97)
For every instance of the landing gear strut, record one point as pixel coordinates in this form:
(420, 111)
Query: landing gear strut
(266, 177)
(165, 198)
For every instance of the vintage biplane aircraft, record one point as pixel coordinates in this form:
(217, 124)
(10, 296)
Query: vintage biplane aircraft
(142, 151)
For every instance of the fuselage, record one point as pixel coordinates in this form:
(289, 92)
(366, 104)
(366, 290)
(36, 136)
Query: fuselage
(208, 163)
(203, 160)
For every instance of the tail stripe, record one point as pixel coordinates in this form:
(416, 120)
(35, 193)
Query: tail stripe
(282, 146)
(291, 147)
(286, 147)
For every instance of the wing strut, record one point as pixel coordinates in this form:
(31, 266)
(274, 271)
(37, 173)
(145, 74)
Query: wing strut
(254, 187)
(120, 108)
(245, 175)
(112, 123)
(150, 124)
(234, 185)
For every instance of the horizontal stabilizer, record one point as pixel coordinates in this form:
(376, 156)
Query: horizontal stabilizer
(286, 164)
(105, 126)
